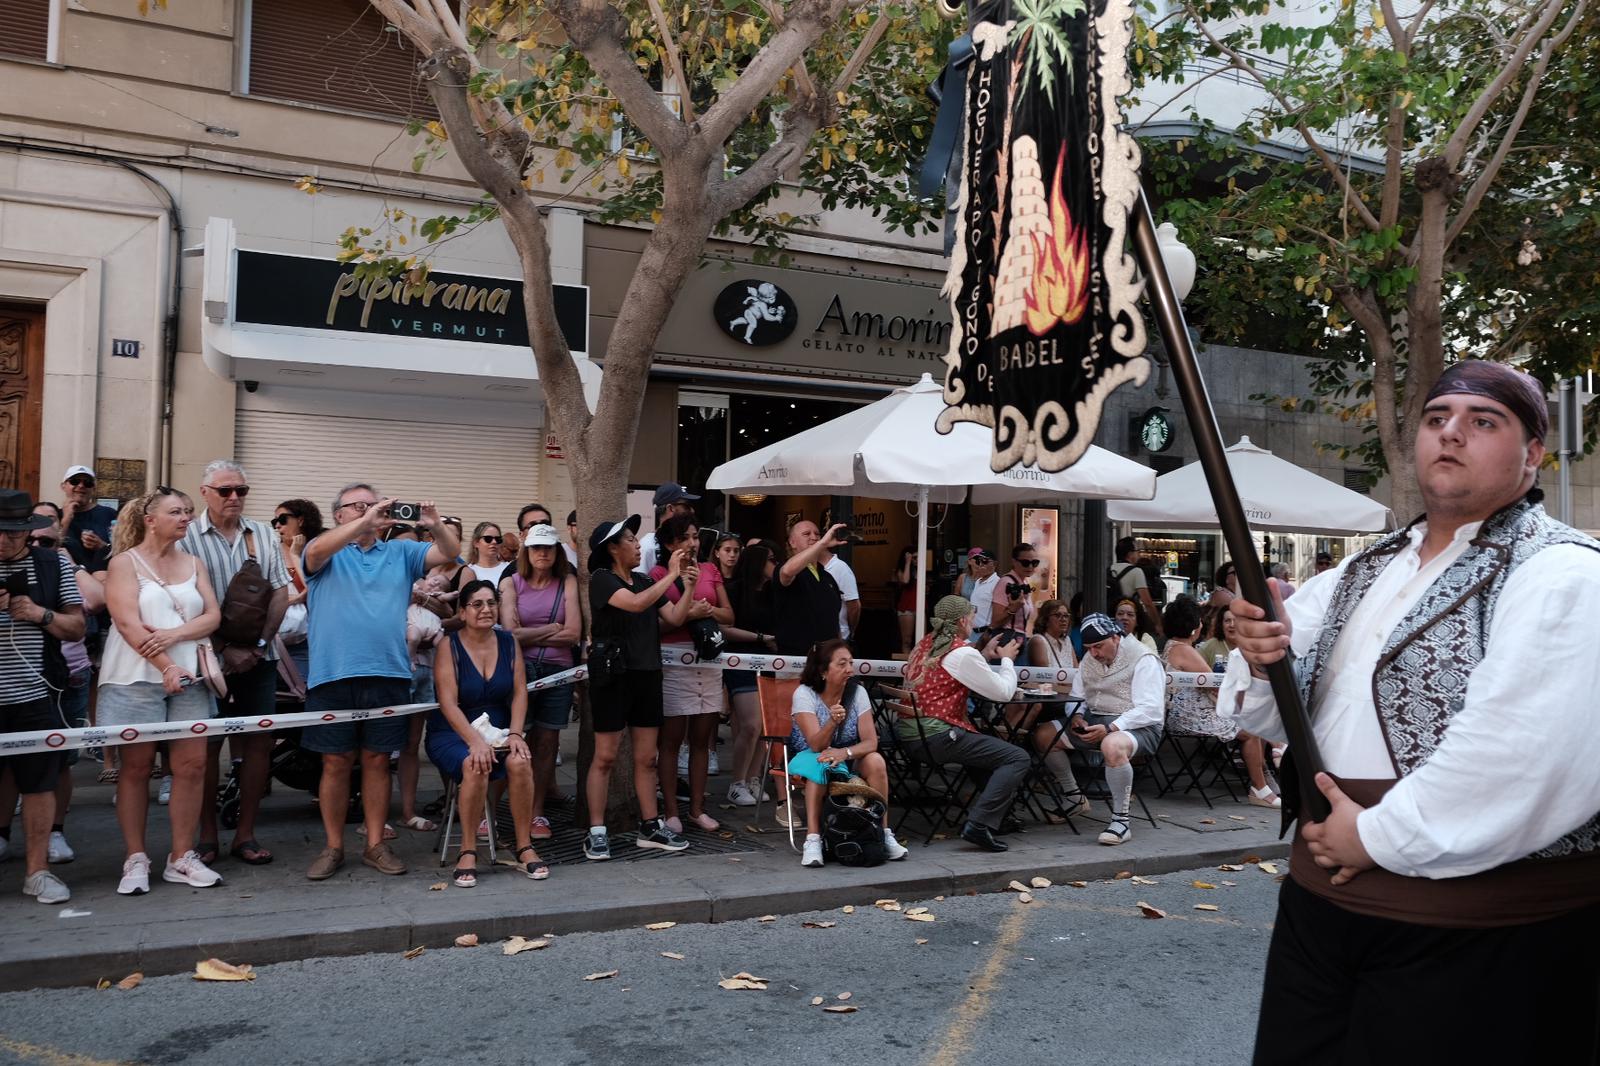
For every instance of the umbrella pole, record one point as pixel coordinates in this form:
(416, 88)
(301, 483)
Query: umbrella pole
(922, 555)
(1230, 512)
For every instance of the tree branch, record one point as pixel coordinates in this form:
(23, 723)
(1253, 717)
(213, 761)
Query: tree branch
(864, 50)
(801, 124)
(597, 30)
(1352, 196)
(1456, 147)
(803, 24)
(1491, 169)
(674, 60)
(1391, 22)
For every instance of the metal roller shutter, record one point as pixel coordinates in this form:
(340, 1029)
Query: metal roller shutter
(338, 53)
(25, 28)
(480, 473)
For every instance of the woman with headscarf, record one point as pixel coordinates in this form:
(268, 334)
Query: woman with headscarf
(945, 670)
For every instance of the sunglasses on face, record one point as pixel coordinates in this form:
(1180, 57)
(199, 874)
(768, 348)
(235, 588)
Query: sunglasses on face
(283, 520)
(1028, 564)
(981, 560)
(42, 542)
(490, 538)
(225, 491)
(534, 522)
(81, 482)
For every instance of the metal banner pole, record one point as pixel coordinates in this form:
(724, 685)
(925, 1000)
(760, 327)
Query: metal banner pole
(1230, 512)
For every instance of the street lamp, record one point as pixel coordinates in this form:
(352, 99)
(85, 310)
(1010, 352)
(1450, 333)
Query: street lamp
(1179, 259)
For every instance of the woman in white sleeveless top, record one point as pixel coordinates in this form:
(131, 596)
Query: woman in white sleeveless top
(161, 607)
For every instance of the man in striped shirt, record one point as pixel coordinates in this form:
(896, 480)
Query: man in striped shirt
(217, 537)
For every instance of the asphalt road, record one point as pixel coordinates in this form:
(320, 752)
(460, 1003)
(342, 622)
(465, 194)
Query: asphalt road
(1078, 974)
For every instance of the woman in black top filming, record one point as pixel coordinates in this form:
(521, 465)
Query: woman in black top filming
(628, 612)
(750, 592)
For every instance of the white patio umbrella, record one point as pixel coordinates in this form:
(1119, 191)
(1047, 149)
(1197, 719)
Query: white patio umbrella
(890, 450)
(1277, 495)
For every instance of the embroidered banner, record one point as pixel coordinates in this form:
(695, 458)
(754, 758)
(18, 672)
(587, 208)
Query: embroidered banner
(1042, 288)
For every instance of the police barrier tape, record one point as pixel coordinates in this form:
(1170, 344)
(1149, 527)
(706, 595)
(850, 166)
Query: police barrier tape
(218, 728)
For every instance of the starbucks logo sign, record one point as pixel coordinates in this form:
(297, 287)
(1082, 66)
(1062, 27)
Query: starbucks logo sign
(755, 312)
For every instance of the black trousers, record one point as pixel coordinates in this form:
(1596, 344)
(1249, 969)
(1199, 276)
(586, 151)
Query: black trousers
(1347, 989)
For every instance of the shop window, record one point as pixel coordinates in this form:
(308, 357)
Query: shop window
(1358, 479)
(333, 53)
(25, 29)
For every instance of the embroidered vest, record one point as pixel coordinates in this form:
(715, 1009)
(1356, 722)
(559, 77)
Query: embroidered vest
(1418, 685)
(939, 695)
(1109, 689)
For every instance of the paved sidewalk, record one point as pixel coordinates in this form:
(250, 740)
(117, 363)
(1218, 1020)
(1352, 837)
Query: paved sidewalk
(272, 913)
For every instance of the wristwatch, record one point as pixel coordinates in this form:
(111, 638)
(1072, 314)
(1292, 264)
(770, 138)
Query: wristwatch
(49, 616)
(261, 643)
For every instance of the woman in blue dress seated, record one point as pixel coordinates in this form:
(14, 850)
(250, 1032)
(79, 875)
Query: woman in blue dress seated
(478, 671)
(832, 718)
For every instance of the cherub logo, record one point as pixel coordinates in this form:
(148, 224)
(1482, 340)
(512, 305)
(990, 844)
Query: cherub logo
(755, 312)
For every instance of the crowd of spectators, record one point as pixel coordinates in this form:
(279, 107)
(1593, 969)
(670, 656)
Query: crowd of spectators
(171, 612)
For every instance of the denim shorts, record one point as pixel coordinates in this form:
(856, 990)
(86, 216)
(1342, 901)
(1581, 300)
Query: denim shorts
(739, 681)
(358, 693)
(549, 708)
(147, 703)
(75, 706)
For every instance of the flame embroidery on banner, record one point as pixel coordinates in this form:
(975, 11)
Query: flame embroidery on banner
(1060, 288)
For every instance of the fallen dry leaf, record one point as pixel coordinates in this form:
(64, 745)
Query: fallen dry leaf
(1145, 881)
(767, 918)
(656, 927)
(816, 1001)
(916, 910)
(604, 975)
(818, 925)
(1230, 884)
(938, 899)
(102, 984)
(737, 984)
(1205, 906)
(847, 909)
(518, 944)
(217, 970)
(1202, 884)
(413, 953)
(1238, 817)
(1149, 911)
(1232, 867)
(883, 902)
(1250, 859)
(467, 940)
(1040, 882)
(131, 981)
(921, 940)
(726, 806)
(842, 996)
(437, 886)
(752, 828)
(1268, 867)
(726, 834)
(890, 907)
(1024, 897)
(1279, 878)
(1123, 875)
(1017, 886)
(745, 975)
(919, 918)
(1208, 821)
(839, 1008)
(672, 955)
(1078, 884)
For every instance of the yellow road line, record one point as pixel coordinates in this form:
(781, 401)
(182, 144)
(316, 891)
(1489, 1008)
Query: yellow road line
(49, 1056)
(958, 1034)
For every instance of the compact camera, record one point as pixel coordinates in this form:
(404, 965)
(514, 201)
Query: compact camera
(405, 512)
(1016, 589)
(17, 583)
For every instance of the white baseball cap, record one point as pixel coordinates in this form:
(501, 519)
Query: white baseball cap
(74, 471)
(541, 536)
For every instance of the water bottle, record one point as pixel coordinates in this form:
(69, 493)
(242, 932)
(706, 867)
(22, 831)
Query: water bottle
(1219, 664)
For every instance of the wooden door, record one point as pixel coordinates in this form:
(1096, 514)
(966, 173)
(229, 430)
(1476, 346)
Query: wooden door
(21, 395)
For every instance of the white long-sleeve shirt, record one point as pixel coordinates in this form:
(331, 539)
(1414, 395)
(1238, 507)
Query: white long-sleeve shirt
(968, 666)
(1515, 771)
(1149, 691)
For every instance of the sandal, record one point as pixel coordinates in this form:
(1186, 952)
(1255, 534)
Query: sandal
(539, 872)
(250, 853)
(420, 824)
(388, 831)
(108, 776)
(207, 850)
(541, 829)
(466, 876)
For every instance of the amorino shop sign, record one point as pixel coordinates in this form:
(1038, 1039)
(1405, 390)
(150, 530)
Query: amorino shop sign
(292, 290)
(808, 321)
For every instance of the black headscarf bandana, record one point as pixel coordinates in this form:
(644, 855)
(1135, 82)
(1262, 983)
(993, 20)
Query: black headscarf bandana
(1521, 393)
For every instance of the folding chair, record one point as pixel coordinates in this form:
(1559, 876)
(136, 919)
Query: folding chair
(1208, 754)
(930, 787)
(777, 722)
(451, 789)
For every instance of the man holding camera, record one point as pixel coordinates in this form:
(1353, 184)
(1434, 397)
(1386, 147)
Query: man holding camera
(39, 608)
(1125, 687)
(86, 525)
(1011, 605)
(360, 587)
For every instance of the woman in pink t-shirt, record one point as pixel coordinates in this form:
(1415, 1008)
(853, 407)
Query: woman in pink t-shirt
(691, 696)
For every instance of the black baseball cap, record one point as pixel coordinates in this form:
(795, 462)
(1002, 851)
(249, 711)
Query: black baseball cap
(672, 492)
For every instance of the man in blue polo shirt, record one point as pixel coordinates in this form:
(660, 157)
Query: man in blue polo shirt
(359, 587)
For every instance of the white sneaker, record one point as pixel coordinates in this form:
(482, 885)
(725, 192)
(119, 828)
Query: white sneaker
(758, 784)
(1265, 798)
(711, 765)
(46, 887)
(189, 870)
(1117, 832)
(897, 850)
(135, 875)
(813, 852)
(60, 850)
(739, 794)
(164, 794)
(683, 759)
